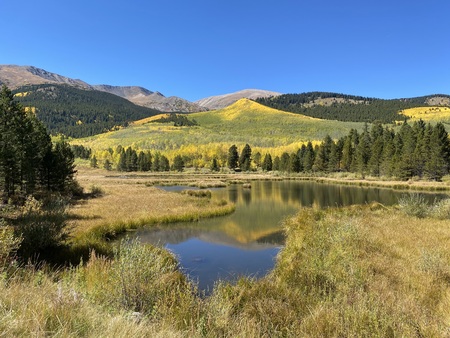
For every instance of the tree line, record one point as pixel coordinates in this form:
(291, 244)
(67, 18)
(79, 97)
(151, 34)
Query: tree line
(417, 150)
(29, 162)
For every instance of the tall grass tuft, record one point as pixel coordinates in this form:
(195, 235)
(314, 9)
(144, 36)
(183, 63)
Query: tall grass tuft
(414, 204)
(140, 278)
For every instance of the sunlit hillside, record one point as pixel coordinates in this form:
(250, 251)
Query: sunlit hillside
(429, 114)
(149, 119)
(263, 128)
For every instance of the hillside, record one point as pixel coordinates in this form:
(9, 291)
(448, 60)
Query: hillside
(243, 122)
(341, 107)
(78, 112)
(429, 114)
(222, 101)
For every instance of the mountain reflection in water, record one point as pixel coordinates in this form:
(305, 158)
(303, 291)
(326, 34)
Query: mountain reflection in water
(247, 241)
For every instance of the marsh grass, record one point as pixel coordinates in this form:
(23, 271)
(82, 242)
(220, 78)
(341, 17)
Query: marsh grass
(360, 271)
(41, 303)
(129, 203)
(198, 193)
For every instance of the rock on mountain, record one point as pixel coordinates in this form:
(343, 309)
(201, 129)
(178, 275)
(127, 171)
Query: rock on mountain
(155, 100)
(15, 76)
(222, 101)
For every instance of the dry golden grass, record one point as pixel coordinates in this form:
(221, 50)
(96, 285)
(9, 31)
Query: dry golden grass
(130, 201)
(36, 306)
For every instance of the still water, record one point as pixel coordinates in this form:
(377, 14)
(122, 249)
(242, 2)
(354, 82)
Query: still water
(247, 241)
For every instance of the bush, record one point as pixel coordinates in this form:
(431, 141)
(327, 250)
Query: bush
(97, 191)
(198, 193)
(414, 204)
(141, 278)
(441, 209)
(9, 244)
(41, 225)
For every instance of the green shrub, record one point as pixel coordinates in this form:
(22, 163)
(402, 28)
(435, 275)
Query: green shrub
(41, 225)
(198, 193)
(441, 209)
(9, 244)
(141, 278)
(97, 191)
(414, 204)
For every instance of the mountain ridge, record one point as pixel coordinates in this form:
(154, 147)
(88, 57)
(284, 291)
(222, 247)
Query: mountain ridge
(15, 76)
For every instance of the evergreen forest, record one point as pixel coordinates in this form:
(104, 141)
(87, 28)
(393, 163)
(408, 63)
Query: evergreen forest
(344, 107)
(77, 112)
(30, 164)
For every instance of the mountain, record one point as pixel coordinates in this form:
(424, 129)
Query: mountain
(155, 100)
(17, 76)
(222, 101)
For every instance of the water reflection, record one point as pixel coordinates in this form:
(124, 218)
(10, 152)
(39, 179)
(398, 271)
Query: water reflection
(247, 241)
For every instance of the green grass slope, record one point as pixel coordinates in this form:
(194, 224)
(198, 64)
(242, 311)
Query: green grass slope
(243, 122)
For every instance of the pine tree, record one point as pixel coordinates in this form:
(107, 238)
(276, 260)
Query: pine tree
(214, 165)
(245, 158)
(233, 157)
(439, 160)
(284, 162)
(267, 163)
(257, 159)
(94, 162)
(308, 158)
(122, 164)
(276, 163)
(178, 163)
(164, 164)
(405, 166)
(363, 152)
(107, 165)
(349, 151)
(294, 163)
(156, 162)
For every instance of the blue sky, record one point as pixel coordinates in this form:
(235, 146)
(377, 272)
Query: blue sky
(199, 48)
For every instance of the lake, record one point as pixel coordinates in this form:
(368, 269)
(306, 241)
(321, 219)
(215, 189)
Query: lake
(247, 241)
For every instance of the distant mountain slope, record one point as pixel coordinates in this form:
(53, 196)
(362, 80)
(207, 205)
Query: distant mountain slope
(222, 101)
(15, 76)
(78, 112)
(155, 100)
(342, 107)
